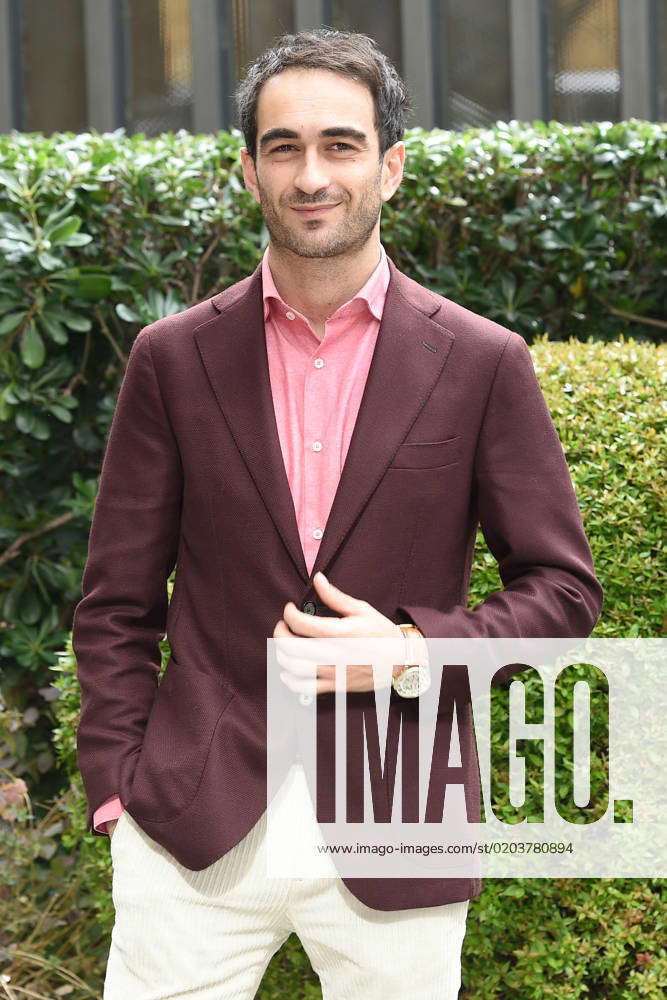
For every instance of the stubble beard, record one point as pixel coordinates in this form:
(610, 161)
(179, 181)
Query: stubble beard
(349, 236)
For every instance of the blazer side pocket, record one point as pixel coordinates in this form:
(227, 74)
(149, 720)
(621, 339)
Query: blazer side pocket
(427, 454)
(187, 709)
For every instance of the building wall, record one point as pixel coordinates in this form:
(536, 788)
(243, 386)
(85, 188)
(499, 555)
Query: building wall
(154, 65)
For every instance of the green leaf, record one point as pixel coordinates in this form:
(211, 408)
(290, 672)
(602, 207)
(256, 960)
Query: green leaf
(41, 429)
(551, 241)
(30, 607)
(24, 420)
(54, 328)
(61, 412)
(32, 347)
(14, 229)
(507, 243)
(94, 287)
(65, 229)
(171, 220)
(54, 219)
(9, 301)
(78, 240)
(5, 409)
(11, 321)
(11, 181)
(48, 261)
(75, 322)
(127, 314)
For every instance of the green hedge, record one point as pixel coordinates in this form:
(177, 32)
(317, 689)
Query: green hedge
(530, 938)
(140, 228)
(544, 228)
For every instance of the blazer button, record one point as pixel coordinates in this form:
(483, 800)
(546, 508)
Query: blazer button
(309, 608)
(305, 699)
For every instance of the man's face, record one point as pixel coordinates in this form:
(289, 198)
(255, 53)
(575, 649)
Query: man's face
(321, 194)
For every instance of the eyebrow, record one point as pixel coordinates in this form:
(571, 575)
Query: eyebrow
(335, 131)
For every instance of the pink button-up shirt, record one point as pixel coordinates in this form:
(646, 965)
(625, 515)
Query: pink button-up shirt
(317, 387)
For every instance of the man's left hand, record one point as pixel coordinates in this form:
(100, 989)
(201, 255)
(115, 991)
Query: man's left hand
(359, 620)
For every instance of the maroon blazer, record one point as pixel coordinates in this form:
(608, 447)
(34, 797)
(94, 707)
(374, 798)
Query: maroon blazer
(452, 430)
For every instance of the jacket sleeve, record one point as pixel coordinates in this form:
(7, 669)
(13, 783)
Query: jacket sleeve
(530, 518)
(132, 549)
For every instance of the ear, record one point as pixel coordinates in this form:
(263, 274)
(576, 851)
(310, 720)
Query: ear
(392, 169)
(249, 174)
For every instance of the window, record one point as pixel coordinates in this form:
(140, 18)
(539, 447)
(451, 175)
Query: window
(52, 67)
(256, 25)
(473, 63)
(158, 58)
(662, 60)
(584, 60)
(382, 21)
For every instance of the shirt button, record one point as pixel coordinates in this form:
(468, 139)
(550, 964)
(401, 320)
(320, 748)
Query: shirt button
(290, 314)
(305, 699)
(318, 533)
(318, 362)
(317, 446)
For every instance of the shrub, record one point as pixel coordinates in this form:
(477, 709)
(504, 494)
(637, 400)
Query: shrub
(535, 938)
(544, 228)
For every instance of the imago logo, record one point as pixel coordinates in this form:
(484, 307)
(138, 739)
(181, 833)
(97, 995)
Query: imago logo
(530, 739)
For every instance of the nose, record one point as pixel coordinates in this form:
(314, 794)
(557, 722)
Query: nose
(312, 174)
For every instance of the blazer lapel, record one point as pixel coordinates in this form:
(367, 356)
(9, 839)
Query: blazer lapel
(233, 349)
(402, 375)
(410, 353)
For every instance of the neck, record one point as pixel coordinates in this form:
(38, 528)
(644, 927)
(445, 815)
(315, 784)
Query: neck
(318, 286)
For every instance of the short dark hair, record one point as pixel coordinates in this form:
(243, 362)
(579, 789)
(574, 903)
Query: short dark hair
(344, 52)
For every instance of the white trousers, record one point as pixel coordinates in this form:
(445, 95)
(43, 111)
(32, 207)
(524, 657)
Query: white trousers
(212, 933)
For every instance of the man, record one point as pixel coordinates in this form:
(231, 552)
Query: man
(326, 414)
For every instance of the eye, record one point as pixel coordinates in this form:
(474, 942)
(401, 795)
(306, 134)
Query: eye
(285, 147)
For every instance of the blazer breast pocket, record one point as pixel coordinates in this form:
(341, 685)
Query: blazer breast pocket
(427, 454)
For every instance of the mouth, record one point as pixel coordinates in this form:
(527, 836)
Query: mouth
(312, 211)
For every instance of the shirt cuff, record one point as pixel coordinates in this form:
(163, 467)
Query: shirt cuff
(111, 809)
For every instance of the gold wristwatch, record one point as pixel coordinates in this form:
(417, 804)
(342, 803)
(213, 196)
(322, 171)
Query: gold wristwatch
(415, 677)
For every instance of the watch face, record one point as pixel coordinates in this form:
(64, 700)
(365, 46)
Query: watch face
(413, 682)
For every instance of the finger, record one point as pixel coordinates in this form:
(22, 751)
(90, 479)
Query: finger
(304, 668)
(287, 640)
(322, 686)
(316, 650)
(337, 599)
(313, 626)
(299, 685)
(281, 629)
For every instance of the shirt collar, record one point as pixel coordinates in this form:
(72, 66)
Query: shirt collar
(373, 292)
